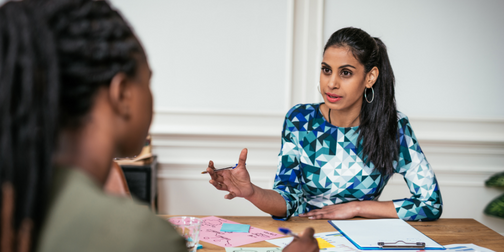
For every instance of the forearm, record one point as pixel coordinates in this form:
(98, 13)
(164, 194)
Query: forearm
(374, 209)
(268, 201)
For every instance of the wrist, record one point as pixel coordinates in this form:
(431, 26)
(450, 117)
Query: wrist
(252, 196)
(357, 208)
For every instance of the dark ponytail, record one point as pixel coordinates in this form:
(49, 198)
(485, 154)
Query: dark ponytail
(54, 55)
(378, 119)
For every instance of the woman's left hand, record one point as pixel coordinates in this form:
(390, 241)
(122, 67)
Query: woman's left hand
(334, 212)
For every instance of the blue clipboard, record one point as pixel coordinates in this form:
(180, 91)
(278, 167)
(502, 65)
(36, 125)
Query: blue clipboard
(363, 232)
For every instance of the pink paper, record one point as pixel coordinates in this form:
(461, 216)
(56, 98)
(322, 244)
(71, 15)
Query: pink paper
(210, 232)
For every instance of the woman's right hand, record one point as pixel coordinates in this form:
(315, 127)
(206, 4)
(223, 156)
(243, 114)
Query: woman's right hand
(305, 242)
(236, 181)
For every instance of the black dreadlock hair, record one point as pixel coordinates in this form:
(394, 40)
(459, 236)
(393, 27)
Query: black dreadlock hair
(54, 55)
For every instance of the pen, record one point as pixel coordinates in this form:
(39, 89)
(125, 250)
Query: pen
(220, 169)
(287, 232)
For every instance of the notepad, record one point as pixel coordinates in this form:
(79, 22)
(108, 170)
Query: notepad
(210, 232)
(237, 228)
(383, 234)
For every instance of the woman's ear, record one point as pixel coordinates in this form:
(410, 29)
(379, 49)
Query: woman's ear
(372, 76)
(120, 95)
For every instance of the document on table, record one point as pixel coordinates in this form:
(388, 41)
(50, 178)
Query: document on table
(249, 249)
(330, 241)
(366, 234)
(211, 232)
(467, 248)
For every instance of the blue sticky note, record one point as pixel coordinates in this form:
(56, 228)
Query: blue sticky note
(238, 228)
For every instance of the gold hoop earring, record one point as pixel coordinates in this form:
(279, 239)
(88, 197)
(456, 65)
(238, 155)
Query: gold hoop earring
(365, 96)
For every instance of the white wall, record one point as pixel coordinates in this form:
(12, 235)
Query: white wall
(446, 55)
(215, 55)
(225, 72)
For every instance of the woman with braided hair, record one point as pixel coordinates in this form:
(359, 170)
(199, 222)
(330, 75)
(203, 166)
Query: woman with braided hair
(74, 94)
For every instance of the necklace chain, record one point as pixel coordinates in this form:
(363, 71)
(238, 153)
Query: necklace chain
(329, 116)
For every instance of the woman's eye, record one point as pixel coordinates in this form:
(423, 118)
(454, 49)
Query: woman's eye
(326, 70)
(346, 73)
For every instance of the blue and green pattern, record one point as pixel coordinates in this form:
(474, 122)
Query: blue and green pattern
(320, 164)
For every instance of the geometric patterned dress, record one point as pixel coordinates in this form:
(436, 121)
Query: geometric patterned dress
(320, 164)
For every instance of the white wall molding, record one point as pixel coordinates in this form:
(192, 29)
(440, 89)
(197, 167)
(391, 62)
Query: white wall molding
(484, 130)
(213, 112)
(469, 170)
(216, 123)
(308, 47)
(222, 123)
(289, 44)
(165, 175)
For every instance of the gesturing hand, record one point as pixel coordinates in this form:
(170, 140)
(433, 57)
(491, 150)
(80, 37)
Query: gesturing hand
(235, 181)
(305, 242)
(334, 212)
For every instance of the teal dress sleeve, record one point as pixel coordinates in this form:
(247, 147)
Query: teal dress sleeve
(425, 202)
(288, 176)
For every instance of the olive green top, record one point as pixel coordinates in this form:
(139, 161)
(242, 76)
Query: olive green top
(82, 218)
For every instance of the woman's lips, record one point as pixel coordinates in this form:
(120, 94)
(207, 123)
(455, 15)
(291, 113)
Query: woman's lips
(333, 97)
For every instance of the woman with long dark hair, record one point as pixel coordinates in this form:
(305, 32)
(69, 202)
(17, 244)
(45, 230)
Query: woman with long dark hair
(74, 94)
(337, 156)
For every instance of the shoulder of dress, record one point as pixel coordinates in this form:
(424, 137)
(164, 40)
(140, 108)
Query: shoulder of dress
(304, 109)
(402, 119)
(401, 115)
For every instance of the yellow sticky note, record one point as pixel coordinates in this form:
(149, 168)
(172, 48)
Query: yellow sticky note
(324, 244)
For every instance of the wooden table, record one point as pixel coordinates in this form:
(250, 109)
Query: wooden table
(443, 231)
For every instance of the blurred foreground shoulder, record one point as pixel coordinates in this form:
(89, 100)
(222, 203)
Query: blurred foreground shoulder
(82, 218)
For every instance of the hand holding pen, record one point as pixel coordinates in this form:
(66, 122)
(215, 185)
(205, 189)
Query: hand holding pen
(220, 169)
(287, 231)
(302, 242)
(234, 180)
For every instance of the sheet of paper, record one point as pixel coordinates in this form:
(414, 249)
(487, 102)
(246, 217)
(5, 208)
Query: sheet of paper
(239, 228)
(210, 232)
(272, 249)
(367, 233)
(281, 242)
(340, 243)
(335, 239)
(466, 248)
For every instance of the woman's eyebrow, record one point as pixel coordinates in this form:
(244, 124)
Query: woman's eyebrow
(347, 66)
(326, 65)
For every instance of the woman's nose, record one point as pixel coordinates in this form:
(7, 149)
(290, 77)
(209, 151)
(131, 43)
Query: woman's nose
(333, 83)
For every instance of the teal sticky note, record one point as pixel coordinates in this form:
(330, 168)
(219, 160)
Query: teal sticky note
(237, 228)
